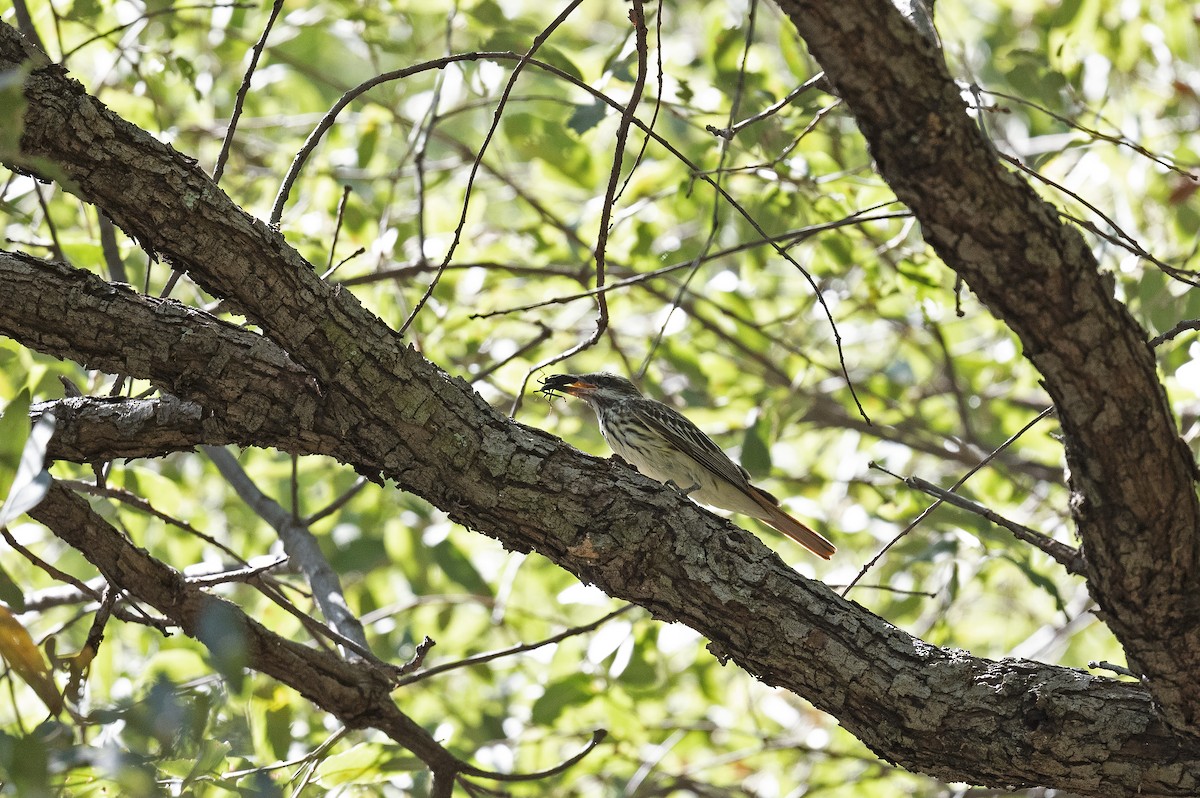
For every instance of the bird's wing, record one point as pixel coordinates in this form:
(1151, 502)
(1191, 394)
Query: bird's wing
(685, 435)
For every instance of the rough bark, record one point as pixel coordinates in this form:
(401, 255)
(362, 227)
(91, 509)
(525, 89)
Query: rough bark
(944, 712)
(240, 379)
(1131, 476)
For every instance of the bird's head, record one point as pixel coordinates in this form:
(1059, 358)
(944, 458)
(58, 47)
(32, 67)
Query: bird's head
(595, 388)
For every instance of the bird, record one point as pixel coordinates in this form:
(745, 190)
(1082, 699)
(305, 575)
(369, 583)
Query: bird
(664, 445)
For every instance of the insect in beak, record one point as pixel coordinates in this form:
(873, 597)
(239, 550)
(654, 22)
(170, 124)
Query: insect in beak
(559, 385)
(552, 387)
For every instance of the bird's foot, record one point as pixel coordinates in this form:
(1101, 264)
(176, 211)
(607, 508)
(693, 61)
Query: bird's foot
(670, 483)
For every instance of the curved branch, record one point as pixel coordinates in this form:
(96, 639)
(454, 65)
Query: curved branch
(1132, 477)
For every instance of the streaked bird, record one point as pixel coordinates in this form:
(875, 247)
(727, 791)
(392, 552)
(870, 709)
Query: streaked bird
(662, 444)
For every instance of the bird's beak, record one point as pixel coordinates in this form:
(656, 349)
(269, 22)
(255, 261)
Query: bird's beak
(568, 384)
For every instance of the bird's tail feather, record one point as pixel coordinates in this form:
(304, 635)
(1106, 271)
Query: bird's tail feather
(774, 515)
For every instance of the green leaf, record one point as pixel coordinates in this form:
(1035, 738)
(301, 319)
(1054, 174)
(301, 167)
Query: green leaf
(756, 454)
(1039, 580)
(586, 117)
(365, 763)
(14, 429)
(456, 566)
(31, 481)
(10, 592)
(574, 690)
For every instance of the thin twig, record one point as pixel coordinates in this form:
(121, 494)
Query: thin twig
(544, 334)
(597, 738)
(137, 502)
(1171, 334)
(1069, 557)
(173, 9)
(1108, 666)
(249, 573)
(518, 649)
(1119, 139)
(637, 16)
(337, 503)
(243, 90)
(937, 502)
(729, 132)
(337, 231)
(788, 239)
(714, 222)
(538, 41)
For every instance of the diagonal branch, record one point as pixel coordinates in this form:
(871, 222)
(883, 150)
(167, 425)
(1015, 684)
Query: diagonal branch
(1132, 477)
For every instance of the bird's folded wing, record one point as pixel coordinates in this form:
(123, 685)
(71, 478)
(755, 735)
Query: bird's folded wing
(687, 437)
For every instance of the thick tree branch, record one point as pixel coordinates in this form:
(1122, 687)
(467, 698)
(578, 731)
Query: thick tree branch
(243, 381)
(1132, 478)
(93, 429)
(958, 717)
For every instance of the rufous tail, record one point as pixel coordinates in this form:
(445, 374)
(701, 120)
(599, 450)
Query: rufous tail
(774, 515)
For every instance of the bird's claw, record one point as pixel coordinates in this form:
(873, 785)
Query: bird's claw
(695, 486)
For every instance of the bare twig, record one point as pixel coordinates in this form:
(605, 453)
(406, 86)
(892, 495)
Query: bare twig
(714, 222)
(172, 9)
(248, 573)
(508, 652)
(337, 230)
(1178, 329)
(133, 500)
(638, 19)
(243, 90)
(1113, 138)
(1069, 557)
(937, 502)
(597, 738)
(1108, 666)
(338, 503)
(729, 132)
(538, 41)
(788, 239)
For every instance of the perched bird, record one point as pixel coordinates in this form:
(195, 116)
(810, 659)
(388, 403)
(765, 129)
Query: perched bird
(665, 446)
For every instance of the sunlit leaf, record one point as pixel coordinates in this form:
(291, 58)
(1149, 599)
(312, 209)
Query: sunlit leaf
(365, 763)
(31, 480)
(26, 659)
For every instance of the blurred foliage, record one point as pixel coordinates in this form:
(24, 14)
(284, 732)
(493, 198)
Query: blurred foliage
(1081, 91)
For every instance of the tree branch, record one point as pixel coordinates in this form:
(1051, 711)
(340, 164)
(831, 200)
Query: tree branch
(93, 429)
(1132, 478)
(242, 380)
